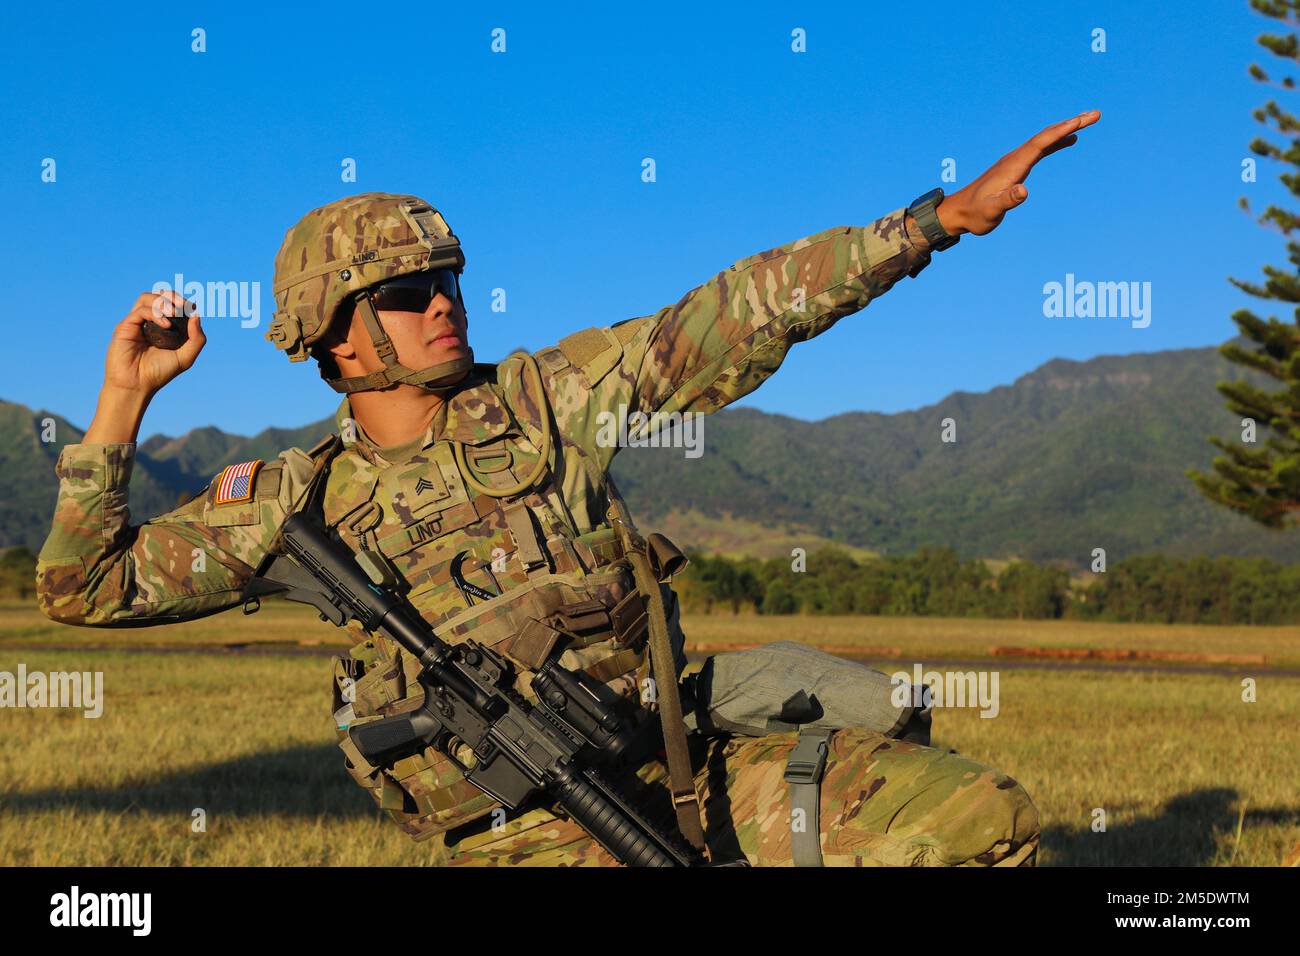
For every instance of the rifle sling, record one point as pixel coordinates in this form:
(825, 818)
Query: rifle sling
(686, 802)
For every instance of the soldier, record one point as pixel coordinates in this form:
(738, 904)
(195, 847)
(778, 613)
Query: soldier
(483, 491)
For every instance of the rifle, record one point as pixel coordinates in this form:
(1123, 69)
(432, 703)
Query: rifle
(555, 747)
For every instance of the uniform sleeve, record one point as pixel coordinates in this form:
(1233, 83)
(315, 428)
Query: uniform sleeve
(98, 569)
(722, 339)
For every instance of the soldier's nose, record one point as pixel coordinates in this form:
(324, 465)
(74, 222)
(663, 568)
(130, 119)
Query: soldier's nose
(439, 307)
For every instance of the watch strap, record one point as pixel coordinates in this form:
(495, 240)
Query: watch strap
(923, 211)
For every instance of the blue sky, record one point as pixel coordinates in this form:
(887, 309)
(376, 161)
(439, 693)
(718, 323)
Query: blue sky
(172, 161)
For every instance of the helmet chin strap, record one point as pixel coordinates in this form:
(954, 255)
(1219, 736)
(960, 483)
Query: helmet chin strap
(441, 379)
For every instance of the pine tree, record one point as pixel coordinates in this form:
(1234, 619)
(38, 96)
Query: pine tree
(1264, 482)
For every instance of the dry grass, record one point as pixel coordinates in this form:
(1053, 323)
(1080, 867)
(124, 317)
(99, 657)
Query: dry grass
(246, 739)
(918, 637)
(1172, 758)
(939, 637)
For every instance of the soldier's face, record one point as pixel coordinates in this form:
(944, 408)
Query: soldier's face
(422, 339)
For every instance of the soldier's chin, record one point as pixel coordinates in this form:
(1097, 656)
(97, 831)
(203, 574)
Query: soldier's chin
(449, 352)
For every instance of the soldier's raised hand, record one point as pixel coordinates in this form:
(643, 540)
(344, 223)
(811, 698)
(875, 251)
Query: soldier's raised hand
(978, 208)
(133, 363)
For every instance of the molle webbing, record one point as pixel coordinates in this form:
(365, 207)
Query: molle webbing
(519, 521)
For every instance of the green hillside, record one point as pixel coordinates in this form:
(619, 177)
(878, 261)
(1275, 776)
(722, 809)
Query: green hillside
(1071, 457)
(192, 460)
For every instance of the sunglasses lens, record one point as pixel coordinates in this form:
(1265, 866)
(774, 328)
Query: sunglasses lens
(413, 293)
(401, 299)
(444, 281)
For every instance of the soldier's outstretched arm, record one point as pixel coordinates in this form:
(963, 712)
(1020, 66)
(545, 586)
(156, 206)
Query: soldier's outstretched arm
(95, 567)
(722, 339)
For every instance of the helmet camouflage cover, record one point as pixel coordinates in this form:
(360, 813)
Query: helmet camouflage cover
(338, 250)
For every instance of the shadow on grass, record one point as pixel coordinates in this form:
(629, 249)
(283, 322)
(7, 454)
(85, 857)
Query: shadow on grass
(309, 781)
(299, 781)
(1188, 831)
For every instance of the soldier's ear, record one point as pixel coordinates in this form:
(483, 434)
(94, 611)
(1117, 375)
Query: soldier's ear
(335, 340)
(343, 349)
(344, 346)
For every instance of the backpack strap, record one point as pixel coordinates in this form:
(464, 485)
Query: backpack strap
(804, 769)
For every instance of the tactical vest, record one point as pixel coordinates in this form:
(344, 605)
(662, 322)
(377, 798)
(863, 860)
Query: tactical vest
(535, 585)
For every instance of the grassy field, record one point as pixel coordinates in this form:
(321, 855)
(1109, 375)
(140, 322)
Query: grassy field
(1177, 760)
(924, 638)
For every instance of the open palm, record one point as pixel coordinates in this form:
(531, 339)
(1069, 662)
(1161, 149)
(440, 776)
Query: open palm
(979, 207)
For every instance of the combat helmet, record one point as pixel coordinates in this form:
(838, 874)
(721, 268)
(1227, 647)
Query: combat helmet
(334, 253)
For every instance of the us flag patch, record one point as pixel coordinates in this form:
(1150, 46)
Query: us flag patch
(235, 483)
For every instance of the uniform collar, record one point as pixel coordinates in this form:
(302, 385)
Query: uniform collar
(474, 414)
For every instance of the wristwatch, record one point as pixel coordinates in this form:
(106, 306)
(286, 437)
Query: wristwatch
(923, 211)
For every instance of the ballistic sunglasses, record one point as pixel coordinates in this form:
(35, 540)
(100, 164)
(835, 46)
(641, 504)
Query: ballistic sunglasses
(414, 292)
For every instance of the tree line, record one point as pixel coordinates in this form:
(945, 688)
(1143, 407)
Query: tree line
(937, 582)
(17, 573)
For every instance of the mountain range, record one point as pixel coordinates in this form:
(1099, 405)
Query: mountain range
(1070, 457)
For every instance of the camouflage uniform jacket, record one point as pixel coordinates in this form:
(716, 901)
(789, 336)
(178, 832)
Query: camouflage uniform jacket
(545, 549)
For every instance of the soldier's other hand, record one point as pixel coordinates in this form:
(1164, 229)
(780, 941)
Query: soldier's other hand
(135, 365)
(979, 207)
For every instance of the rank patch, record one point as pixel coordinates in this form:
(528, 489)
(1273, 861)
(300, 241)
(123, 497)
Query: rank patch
(235, 483)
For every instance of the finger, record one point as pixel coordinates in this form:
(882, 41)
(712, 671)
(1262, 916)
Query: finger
(182, 306)
(147, 308)
(1010, 197)
(171, 303)
(1062, 129)
(188, 352)
(145, 311)
(157, 308)
(1019, 162)
(162, 311)
(1016, 164)
(1061, 144)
